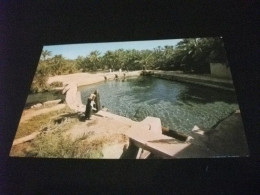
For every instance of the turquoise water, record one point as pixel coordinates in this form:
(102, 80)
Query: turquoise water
(179, 106)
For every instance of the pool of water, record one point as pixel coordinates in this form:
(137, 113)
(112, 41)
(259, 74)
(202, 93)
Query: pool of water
(43, 97)
(179, 106)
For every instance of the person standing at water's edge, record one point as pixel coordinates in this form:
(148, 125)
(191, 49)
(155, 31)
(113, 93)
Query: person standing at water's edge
(124, 78)
(88, 110)
(90, 107)
(97, 100)
(93, 101)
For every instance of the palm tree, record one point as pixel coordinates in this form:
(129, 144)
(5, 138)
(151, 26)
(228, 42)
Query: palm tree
(94, 59)
(192, 53)
(145, 60)
(57, 65)
(45, 54)
(80, 63)
(197, 53)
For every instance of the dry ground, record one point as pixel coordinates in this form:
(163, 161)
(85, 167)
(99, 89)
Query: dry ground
(87, 78)
(103, 130)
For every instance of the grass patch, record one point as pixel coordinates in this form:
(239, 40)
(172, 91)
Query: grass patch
(56, 145)
(37, 123)
(56, 84)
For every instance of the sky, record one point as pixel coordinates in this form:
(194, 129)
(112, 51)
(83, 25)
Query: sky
(72, 51)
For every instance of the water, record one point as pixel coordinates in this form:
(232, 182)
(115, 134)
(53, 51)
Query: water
(179, 106)
(42, 97)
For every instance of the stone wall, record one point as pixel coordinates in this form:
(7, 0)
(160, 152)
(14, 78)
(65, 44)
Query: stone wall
(203, 80)
(220, 70)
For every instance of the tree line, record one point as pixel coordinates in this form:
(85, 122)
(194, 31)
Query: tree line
(189, 55)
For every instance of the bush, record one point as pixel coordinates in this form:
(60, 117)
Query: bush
(56, 84)
(39, 84)
(38, 122)
(56, 145)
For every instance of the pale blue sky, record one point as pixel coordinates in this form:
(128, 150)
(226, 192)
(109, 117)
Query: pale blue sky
(72, 51)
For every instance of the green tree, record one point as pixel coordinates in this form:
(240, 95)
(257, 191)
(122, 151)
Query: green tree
(94, 60)
(39, 83)
(145, 60)
(134, 57)
(196, 54)
(111, 59)
(45, 54)
(57, 65)
(164, 57)
(81, 63)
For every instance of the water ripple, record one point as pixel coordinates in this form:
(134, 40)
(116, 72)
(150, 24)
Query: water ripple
(179, 106)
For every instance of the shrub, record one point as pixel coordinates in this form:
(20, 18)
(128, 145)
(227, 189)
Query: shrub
(39, 84)
(38, 122)
(56, 145)
(56, 84)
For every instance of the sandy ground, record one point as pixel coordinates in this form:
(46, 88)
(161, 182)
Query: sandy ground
(107, 128)
(99, 126)
(88, 78)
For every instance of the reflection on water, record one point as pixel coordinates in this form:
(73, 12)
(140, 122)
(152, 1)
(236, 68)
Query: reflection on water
(179, 106)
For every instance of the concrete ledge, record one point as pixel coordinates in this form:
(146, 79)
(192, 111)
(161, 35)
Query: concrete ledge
(52, 102)
(122, 119)
(154, 124)
(203, 80)
(158, 144)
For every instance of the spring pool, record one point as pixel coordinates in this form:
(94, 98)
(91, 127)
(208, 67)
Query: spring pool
(180, 106)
